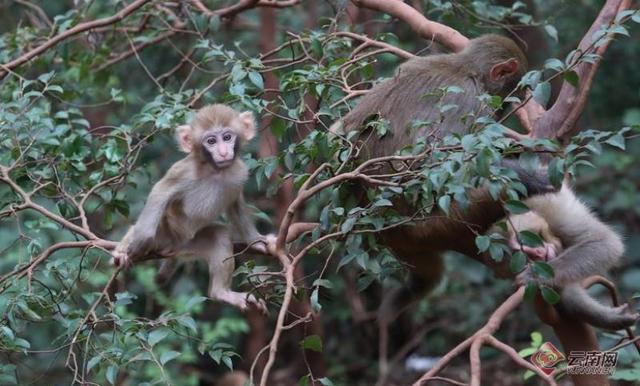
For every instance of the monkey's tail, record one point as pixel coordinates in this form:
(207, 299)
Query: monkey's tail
(576, 302)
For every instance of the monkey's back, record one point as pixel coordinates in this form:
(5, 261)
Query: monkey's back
(431, 91)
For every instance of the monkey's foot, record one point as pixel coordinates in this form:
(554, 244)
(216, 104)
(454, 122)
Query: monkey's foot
(266, 244)
(622, 317)
(241, 300)
(120, 258)
(525, 277)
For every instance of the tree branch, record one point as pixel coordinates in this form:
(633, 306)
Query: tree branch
(428, 29)
(485, 336)
(559, 121)
(82, 27)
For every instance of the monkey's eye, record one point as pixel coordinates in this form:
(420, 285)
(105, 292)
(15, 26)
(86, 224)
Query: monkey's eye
(211, 140)
(226, 137)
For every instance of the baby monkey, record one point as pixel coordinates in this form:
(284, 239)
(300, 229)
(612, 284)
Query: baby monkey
(179, 216)
(577, 250)
(533, 222)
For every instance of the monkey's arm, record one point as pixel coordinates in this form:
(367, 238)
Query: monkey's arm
(143, 233)
(584, 259)
(241, 222)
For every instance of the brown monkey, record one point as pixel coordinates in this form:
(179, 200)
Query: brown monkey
(576, 245)
(180, 213)
(489, 64)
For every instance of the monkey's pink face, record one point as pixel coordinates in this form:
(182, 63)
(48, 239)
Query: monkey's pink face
(219, 147)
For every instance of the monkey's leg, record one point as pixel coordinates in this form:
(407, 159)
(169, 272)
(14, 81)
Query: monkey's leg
(213, 243)
(578, 262)
(578, 303)
(167, 269)
(426, 271)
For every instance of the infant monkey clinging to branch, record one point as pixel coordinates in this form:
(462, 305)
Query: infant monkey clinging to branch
(576, 244)
(179, 216)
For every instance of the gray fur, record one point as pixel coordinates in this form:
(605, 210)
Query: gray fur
(591, 247)
(180, 213)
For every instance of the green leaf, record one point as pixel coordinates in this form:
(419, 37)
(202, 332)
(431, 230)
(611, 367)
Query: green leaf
(194, 301)
(572, 78)
(214, 23)
(348, 224)
(188, 322)
(496, 250)
(530, 239)
(542, 92)
(256, 79)
(483, 243)
(278, 127)
(168, 355)
(216, 355)
(111, 374)
(616, 140)
(469, 142)
(316, 47)
(382, 202)
(305, 380)
(516, 207)
(530, 291)
(55, 88)
(554, 64)
(46, 77)
(325, 381)
(6, 331)
(228, 362)
(444, 203)
(536, 339)
(312, 342)
(550, 295)
(518, 262)
(551, 31)
(315, 303)
(555, 170)
(527, 352)
(483, 162)
(322, 283)
(156, 336)
(543, 269)
(93, 362)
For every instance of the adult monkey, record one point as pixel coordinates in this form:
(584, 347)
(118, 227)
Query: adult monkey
(489, 64)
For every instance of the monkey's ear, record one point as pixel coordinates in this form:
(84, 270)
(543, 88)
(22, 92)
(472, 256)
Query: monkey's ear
(248, 123)
(506, 68)
(183, 136)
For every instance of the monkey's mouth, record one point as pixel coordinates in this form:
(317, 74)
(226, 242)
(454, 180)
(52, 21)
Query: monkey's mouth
(224, 163)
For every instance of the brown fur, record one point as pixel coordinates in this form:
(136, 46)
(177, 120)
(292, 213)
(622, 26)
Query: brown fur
(408, 96)
(413, 95)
